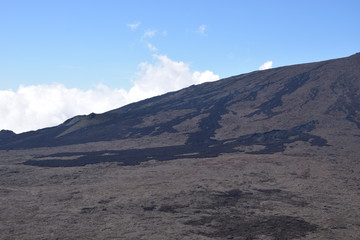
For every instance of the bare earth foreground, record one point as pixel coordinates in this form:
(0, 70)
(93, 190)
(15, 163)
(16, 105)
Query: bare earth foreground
(233, 196)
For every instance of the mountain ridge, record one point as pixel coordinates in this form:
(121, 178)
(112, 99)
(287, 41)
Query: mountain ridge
(250, 103)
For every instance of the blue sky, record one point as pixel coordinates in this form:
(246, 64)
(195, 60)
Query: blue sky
(79, 44)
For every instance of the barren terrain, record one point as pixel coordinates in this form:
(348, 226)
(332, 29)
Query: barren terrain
(232, 196)
(266, 155)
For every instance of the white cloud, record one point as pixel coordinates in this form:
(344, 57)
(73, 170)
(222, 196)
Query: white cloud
(151, 47)
(165, 75)
(133, 26)
(34, 107)
(149, 33)
(39, 106)
(266, 65)
(201, 30)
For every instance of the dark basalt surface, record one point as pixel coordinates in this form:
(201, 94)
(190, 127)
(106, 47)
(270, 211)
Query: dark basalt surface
(292, 84)
(200, 147)
(277, 227)
(234, 214)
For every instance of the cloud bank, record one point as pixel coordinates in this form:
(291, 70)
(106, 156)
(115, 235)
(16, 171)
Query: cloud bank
(266, 65)
(39, 106)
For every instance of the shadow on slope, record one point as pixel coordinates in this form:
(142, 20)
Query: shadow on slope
(272, 141)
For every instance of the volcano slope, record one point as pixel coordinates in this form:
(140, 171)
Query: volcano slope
(270, 154)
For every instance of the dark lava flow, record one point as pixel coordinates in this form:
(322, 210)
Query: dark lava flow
(273, 141)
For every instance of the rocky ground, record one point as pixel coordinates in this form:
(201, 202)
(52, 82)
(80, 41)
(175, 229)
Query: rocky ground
(266, 155)
(288, 195)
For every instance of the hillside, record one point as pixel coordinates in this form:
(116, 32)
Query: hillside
(317, 103)
(270, 154)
